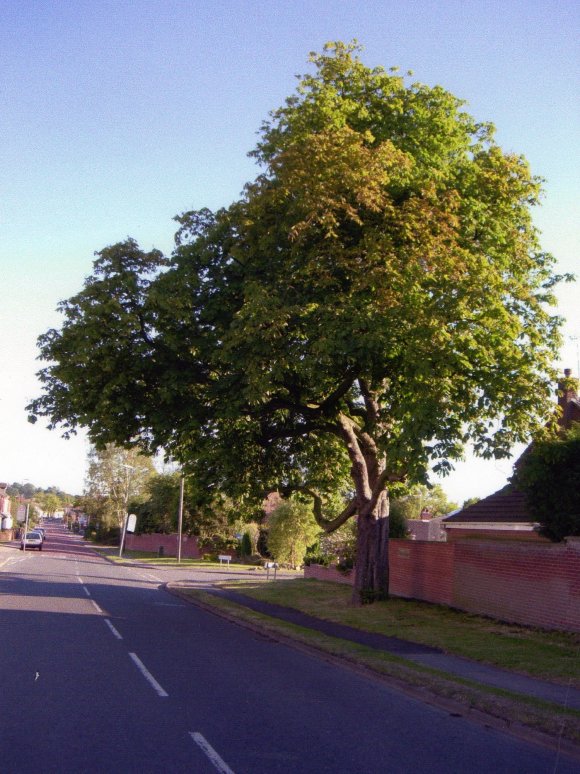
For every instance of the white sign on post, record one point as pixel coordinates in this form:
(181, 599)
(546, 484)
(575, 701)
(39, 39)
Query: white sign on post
(131, 522)
(21, 514)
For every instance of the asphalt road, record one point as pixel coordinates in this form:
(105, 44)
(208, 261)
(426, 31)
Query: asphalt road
(103, 671)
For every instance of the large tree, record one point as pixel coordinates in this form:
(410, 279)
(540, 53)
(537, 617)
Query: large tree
(375, 300)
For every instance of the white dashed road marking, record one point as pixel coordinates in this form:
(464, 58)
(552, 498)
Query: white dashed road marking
(213, 756)
(148, 676)
(112, 628)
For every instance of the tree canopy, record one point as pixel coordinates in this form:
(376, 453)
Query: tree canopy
(376, 299)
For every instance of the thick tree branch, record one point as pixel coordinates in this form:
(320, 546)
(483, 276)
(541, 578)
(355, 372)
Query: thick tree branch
(371, 403)
(359, 467)
(329, 525)
(296, 431)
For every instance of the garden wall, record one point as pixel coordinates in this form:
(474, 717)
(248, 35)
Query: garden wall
(536, 584)
(153, 542)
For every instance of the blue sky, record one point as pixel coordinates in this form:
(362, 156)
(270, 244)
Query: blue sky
(115, 116)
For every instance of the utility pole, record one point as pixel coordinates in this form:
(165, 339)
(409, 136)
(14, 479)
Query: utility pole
(25, 527)
(180, 519)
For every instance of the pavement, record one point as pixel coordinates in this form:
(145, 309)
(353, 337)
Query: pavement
(563, 695)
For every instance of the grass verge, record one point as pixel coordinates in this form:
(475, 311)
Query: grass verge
(509, 709)
(152, 558)
(548, 655)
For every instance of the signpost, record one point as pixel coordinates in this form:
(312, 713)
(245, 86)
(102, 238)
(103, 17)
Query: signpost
(129, 521)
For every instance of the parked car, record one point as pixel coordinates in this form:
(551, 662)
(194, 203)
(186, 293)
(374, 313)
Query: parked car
(31, 540)
(42, 531)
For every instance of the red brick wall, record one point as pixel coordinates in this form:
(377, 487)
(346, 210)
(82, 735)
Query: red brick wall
(189, 547)
(531, 583)
(536, 584)
(422, 570)
(327, 574)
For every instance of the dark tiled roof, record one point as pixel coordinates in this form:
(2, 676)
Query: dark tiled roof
(504, 507)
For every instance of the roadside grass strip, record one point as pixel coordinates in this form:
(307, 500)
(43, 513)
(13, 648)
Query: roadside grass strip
(547, 655)
(511, 709)
(152, 558)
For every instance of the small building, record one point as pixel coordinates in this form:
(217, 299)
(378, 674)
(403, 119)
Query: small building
(427, 527)
(6, 521)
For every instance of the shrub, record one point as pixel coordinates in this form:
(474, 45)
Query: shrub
(246, 545)
(292, 529)
(549, 476)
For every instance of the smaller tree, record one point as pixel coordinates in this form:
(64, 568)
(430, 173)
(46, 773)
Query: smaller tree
(420, 498)
(116, 479)
(292, 528)
(549, 476)
(159, 512)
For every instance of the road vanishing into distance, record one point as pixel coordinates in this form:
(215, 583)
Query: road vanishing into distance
(102, 670)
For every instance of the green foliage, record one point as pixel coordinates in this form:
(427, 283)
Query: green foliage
(419, 498)
(292, 529)
(397, 522)
(376, 299)
(246, 545)
(116, 482)
(339, 544)
(159, 510)
(550, 477)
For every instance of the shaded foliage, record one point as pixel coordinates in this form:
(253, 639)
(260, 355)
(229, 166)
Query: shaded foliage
(550, 478)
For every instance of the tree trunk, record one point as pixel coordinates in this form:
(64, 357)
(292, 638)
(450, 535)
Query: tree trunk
(372, 554)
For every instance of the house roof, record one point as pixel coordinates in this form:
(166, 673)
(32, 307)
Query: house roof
(508, 506)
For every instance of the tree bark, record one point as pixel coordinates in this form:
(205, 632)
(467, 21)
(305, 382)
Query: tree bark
(372, 554)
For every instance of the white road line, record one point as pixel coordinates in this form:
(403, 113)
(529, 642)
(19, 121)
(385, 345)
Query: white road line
(149, 577)
(112, 628)
(96, 606)
(147, 675)
(218, 762)
(87, 592)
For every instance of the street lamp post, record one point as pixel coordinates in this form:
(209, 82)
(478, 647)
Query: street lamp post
(180, 519)
(25, 527)
(126, 515)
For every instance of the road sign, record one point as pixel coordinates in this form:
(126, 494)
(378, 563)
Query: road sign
(21, 514)
(131, 522)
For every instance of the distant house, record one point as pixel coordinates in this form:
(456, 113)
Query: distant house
(504, 514)
(426, 527)
(5, 517)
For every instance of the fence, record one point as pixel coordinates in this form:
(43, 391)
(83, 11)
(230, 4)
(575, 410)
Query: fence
(536, 584)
